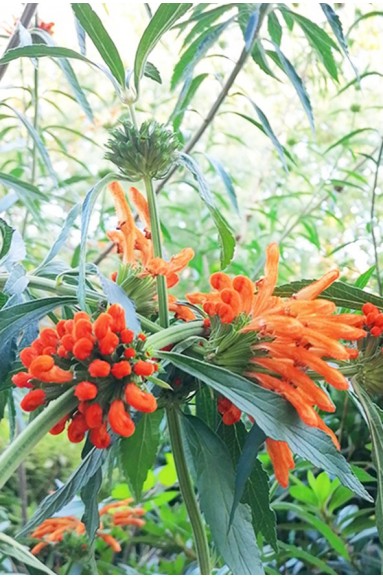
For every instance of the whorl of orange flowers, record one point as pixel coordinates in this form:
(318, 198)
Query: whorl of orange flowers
(104, 361)
(295, 335)
(136, 246)
(53, 530)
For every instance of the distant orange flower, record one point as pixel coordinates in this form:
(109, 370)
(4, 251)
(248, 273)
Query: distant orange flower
(53, 530)
(295, 334)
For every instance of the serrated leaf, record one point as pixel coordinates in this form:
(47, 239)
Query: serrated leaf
(89, 496)
(19, 553)
(256, 493)
(342, 294)
(163, 19)
(86, 213)
(215, 483)
(195, 52)
(138, 452)
(97, 32)
(152, 72)
(274, 415)
(78, 479)
(206, 407)
(373, 416)
(227, 240)
(336, 26)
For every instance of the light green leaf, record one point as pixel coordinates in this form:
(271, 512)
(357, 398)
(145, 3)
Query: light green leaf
(163, 19)
(10, 547)
(96, 31)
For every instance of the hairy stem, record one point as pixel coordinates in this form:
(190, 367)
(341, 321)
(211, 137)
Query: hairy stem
(157, 251)
(187, 490)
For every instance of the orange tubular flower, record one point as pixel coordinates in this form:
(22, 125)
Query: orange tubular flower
(291, 335)
(91, 357)
(116, 514)
(140, 400)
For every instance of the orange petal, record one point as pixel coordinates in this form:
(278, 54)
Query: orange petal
(317, 287)
(282, 460)
(141, 205)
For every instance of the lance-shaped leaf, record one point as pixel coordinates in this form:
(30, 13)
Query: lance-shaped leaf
(163, 19)
(138, 452)
(336, 26)
(97, 32)
(226, 235)
(20, 554)
(275, 416)
(214, 475)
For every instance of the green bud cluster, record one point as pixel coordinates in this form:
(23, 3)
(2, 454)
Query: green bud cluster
(150, 151)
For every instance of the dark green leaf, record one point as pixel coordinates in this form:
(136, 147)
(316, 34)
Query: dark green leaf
(256, 493)
(152, 72)
(274, 415)
(197, 50)
(79, 478)
(163, 19)
(342, 294)
(226, 235)
(6, 235)
(364, 278)
(301, 554)
(215, 483)
(336, 26)
(96, 31)
(138, 452)
(206, 407)
(89, 496)
(373, 416)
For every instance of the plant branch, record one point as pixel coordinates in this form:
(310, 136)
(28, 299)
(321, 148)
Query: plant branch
(187, 490)
(25, 20)
(372, 218)
(246, 52)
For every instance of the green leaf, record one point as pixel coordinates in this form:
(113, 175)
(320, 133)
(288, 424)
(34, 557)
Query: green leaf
(270, 133)
(226, 179)
(373, 417)
(16, 318)
(347, 137)
(163, 19)
(226, 235)
(342, 294)
(7, 235)
(89, 496)
(185, 98)
(333, 539)
(86, 213)
(294, 552)
(22, 187)
(195, 52)
(138, 452)
(256, 493)
(69, 74)
(320, 41)
(61, 239)
(20, 554)
(215, 483)
(206, 407)
(152, 72)
(96, 31)
(274, 415)
(52, 503)
(295, 80)
(336, 26)
(364, 278)
(274, 28)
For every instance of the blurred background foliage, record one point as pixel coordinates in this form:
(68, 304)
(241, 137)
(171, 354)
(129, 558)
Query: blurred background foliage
(319, 199)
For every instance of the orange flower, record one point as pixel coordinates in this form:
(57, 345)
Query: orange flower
(282, 460)
(91, 358)
(140, 400)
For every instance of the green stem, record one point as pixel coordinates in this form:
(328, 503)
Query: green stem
(175, 334)
(187, 490)
(133, 116)
(157, 251)
(24, 443)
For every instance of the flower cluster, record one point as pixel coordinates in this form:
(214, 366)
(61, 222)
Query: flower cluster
(294, 335)
(105, 363)
(53, 530)
(374, 319)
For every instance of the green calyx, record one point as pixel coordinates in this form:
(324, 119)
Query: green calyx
(150, 151)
